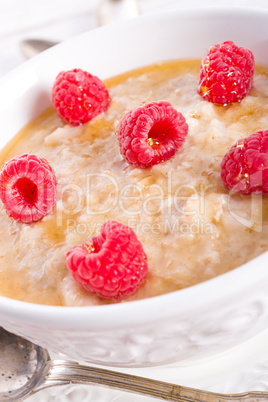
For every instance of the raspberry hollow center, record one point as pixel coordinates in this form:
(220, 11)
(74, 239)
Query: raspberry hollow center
(90, 248)
(27, 189)
(94, 246)
(154, 143)
(159, 132)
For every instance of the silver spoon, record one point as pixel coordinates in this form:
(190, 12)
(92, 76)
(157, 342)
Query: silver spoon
(26, 368)
(107, 12)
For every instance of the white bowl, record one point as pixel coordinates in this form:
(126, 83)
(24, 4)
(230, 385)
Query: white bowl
(190, 323)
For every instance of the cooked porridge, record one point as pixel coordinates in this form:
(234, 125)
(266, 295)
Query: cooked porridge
(191, 228)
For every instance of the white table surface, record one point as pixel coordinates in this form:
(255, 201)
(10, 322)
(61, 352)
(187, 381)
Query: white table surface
(241, 369)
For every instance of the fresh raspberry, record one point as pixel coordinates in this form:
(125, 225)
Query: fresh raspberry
(151, 134)
(226, 74)
(78, 96)
(244, 168)
(111, 265)
(28, 188)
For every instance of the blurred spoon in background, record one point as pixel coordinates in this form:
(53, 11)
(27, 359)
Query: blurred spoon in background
(108, 11)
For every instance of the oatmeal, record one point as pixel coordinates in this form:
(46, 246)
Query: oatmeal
(191, 228)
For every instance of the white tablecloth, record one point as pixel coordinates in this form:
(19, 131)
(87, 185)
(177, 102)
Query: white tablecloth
(240, 369)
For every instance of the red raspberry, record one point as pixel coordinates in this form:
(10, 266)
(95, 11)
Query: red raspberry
(111, 265)
(28, 188)
(79, 96)
(226, 74)
(151, 134)
(244, 168)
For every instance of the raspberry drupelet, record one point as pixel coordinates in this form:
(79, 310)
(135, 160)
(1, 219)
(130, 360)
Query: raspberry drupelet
(28, 188)
(112, 265)
(151, 133)
(78, 96)
(226, 73)
(244, 168)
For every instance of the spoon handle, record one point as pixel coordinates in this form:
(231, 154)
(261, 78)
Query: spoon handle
(63, 372)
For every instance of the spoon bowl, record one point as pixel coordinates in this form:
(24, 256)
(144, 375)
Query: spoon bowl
(22, 366)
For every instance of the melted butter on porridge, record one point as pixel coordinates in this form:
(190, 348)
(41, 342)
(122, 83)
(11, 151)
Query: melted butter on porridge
(191, 228)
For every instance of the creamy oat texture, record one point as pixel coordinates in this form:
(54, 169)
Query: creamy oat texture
(190, 227)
